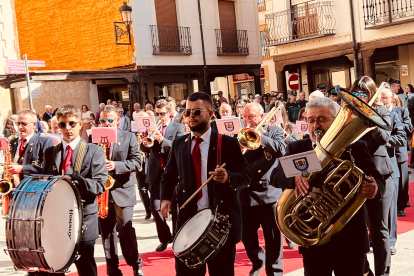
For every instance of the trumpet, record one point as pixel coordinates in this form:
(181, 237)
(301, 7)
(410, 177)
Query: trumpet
(250, 138)
(103, 199)
(149, 141)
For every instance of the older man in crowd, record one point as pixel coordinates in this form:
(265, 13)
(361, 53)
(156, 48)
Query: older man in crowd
(124, 122)
(48, 114)
(98, 113)
(137, 109)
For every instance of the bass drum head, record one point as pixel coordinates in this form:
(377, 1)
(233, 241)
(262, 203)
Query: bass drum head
(192, 230)
(62, 226)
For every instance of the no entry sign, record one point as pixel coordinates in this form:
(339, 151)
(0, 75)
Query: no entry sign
(293, 82)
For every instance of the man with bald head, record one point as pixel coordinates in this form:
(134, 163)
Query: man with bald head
(98, 113)
(225, 110)
(258, 200)
(48, 113)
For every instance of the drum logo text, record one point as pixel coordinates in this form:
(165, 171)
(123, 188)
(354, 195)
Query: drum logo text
(70, 223)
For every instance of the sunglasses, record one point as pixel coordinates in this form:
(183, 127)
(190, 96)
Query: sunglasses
(120, 111)
(103, 121)
(72, 124)
(195, 112)
(160, 114)
(362, 94)
(23, 123)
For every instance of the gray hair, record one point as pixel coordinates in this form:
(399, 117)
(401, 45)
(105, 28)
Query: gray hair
(386, 91)
(110, 108)
(68, 110)
(30, 112)
(137, 105)
(322, 102)
(259, 108)
(101, 104)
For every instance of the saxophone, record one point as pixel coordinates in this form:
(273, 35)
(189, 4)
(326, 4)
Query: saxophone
(103, 199)
(139, 140)
(333, 199)
(6, 185)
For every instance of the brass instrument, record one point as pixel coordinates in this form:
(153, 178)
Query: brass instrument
(139, 141)
(149, 141)
(250, 138)
(332, 201)
(377, 94)
(103, 199)
(6, 184)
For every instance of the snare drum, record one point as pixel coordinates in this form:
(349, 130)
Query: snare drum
(44, 224)
(201, 238)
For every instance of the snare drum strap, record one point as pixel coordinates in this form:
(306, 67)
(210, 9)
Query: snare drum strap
(220, 136)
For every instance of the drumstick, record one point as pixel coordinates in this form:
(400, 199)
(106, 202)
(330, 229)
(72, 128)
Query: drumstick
(199, 189)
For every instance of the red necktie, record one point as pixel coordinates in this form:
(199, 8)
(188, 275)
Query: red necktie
(68, 159)
(172, 118)
(196, 156)
(21, 148)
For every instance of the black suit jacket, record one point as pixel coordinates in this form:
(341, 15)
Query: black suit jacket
(224, 195)
(401, 152)
(90, 181)
(159, 151)
(355, 232)
(46, 117)
(376, 141)
(34, 153)
(127, 124)
(261, 162)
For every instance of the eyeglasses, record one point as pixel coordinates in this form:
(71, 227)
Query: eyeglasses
(195, 112)
(103, 121)
(72, 124)
(321, 120)
(23, 123)
(160, 114)
(120, 111)
(362, 94)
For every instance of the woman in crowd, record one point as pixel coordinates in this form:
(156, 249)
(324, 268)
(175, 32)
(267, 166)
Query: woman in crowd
(9, 130)
(409, 90)
(86, 119)
(291, 134)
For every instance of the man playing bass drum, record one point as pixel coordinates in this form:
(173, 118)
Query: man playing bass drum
(344, 254)
(197, 151)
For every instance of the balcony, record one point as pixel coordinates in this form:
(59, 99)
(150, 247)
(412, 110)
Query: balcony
(261, 5)
(384, 13)
(302, 22)
(170, 40)
(265, 50)
(232, 42)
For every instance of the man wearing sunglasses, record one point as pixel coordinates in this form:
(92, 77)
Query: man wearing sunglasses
(259, 199)
(90, 180)
(345, 253)
(124, 121)
(192, 159)
(28, 149)
(123, 158)
(158, 154)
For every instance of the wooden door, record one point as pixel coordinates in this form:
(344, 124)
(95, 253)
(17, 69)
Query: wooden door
(228, 26)
(306, 20)
(167, 25)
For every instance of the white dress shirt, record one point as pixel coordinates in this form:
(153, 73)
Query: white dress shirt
(16, 154)
(203, 202)
(72, 145)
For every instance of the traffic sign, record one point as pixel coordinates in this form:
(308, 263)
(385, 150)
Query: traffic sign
(294, 82)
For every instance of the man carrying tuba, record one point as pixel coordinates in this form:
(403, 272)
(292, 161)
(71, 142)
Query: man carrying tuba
(344, 253)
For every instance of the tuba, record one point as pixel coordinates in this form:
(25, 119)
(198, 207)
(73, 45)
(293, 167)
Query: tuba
(333, 199)
(250, 138)
(103, 199)
(6, 185)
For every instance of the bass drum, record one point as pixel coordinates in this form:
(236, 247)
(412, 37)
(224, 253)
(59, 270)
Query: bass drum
(201, 238)
(44, 224)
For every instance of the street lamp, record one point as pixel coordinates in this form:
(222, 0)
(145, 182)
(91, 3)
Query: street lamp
(125, 11)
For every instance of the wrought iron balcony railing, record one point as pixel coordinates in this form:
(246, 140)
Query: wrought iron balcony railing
(383, 13)
(171, 40)
(232, 42)
(304, 21)
(261, 5)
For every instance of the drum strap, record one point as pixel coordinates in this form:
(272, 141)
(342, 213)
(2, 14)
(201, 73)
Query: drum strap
(79, 157)
(220, 136)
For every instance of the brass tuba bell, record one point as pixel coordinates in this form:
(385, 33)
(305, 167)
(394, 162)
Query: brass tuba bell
(313, 219)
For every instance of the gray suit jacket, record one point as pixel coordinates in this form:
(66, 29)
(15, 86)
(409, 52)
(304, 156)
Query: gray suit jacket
(127, 124)
(34, 153)
(397, 140)
(176, 117)
(401, 152)
(127, 159)
(162, 150)
(90, 181)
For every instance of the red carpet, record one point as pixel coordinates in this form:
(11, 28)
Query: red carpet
(162, 264)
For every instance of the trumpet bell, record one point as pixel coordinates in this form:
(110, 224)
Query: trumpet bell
(5, 187)
(110, 182)
(249, 138)
(148, 142)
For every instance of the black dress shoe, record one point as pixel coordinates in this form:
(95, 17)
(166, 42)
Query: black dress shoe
(408, 204)
(393, 250)
(400, 213)
(161, 247)
(147, 216)
(255, 271)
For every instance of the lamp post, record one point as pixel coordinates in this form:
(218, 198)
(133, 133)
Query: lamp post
(125, 11)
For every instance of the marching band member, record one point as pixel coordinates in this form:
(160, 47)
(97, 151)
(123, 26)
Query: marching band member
(173, 113)
(28, 149)
(90, 181)
(156, 163)
(344, 254)
(259, 199)
(123, 158)
(191, 161)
